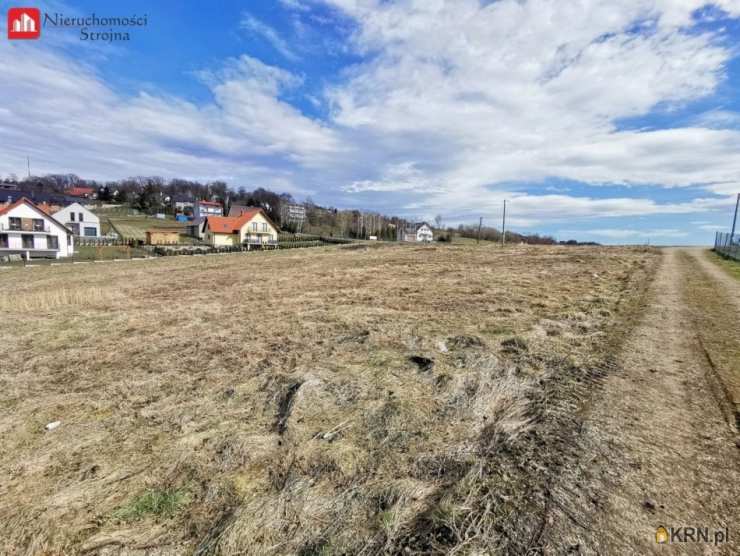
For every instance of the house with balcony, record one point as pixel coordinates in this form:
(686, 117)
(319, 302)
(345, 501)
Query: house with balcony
(27, 230)
(82, 221)
(201, 211)
(210, 208)
(251, 227)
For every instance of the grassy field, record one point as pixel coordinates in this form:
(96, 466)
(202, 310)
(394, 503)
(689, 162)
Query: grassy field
(324, 401)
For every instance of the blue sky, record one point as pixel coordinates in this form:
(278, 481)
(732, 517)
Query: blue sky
(613, 121)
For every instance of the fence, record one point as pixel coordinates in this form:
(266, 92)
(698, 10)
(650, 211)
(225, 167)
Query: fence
(727, 246)
(293, 241)
(82, 241)
(174, 250)
(284, 243)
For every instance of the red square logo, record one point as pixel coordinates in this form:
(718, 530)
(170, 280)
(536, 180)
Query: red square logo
(24, 23)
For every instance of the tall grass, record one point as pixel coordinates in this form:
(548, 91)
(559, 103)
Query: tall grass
(58, 297)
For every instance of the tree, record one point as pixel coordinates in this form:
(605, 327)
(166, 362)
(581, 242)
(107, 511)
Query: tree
(438, 221)
(104, 194)
(149, 200)
(218, 189)
(267, 200)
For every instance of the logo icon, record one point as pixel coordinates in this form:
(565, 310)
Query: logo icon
(24, 23)
(661, 535)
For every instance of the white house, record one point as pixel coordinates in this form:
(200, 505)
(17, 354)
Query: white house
(82, 221)
(27, 230)
(417, 232)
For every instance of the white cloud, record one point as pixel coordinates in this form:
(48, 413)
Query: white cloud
(254, 25)
(719, 119)
(626, 234)
(453, 103)
(525, 90)
(296, 5)
(247, 134)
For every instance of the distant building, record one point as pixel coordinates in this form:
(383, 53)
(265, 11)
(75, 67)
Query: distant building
(209, 208)
(27, 230)
(163, 236)
(84, 192)
(293, 213)
(80, 220)
(201, 211)
(419, 232)
(55, 200)
(183, 204)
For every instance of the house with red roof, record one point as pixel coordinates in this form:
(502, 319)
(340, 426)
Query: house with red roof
(251, 227)
(27, 230)
(81, 191)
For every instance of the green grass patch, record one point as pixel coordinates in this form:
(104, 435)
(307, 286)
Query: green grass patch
(156, 503)
(731, 266)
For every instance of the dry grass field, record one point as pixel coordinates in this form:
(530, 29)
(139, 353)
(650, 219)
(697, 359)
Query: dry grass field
(415, 399)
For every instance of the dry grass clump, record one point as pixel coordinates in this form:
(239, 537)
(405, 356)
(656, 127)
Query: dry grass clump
(324, 401)
(57, 299)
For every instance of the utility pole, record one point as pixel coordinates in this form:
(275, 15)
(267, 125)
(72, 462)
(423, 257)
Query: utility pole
(28, 161)
(503, 227)
(734, 220)
(480, 225)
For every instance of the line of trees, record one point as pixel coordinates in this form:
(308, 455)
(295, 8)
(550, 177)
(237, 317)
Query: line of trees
(154, 194)
(493, 234)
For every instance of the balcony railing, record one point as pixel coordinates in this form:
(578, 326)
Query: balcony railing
(11, 228)
(258, 241)
(31, 249)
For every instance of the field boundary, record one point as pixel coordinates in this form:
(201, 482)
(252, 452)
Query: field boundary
(707, 305)
(725, 245)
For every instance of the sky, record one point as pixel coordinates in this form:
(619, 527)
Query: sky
(614, 121)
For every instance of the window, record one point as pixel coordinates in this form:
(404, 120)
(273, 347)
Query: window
(15, 223)
(27, 241)
(38, 225)
(264, 226)
(79, 214)
(52, 242)
(254, 226)
(90, 231)
(4, 241)
(72, 216)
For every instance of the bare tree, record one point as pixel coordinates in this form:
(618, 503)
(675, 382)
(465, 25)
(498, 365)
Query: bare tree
(438, 221)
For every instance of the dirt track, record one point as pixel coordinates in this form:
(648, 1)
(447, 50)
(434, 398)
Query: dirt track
(657, 448)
